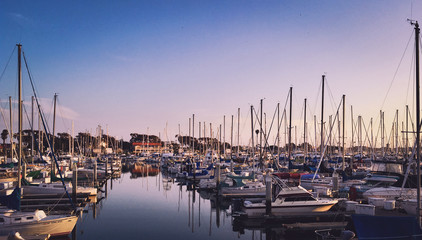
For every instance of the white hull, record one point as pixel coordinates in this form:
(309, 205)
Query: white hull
(390, 193)
(54, 227)
(57, 190)
(236, 192)
(298, 207)
(36, 223)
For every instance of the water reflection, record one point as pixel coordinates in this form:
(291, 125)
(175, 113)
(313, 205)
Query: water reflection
(161, 207)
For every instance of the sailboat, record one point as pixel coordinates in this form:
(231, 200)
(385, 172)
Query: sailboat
(30, 223)
(397, 227)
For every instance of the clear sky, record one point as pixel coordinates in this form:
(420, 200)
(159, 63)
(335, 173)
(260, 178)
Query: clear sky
(133, 65)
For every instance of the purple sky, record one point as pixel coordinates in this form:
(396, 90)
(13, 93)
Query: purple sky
(133, 65)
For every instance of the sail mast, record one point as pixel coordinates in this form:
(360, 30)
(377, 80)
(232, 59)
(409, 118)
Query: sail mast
(305, 146)
(20, 115)
(11, 129)
(418, 124)
(344, 122)
(290, 126)
(322, 119)
(53, 171)
(32, 129)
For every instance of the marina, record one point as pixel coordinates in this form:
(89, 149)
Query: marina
(200, 120)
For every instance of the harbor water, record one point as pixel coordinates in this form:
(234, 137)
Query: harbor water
(157, 207)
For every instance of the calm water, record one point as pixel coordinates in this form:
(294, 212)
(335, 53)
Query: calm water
(158, 207)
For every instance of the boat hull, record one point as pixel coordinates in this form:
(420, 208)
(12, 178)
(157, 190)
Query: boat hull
(259, 209)
(53, 227)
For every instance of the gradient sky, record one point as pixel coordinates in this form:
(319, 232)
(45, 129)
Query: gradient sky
(133, 65)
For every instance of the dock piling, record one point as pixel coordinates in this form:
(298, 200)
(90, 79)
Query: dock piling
(74, 184)
(268, 193)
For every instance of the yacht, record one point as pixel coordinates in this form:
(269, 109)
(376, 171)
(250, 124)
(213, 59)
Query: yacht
(290, 200)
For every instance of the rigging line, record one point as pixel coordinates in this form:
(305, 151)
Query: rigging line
(317, 97)
(411, 75)
(326, 142)
(264, 133)
(66, 126)
(333, 102)
(51, 112)
(48, 138)
(271, 126)
(284, 110)
(7, 64)
(376, 135)
(301, 113)
(10, 134)
(395, 74)
(275, 112)
(367, 135)
(32, 131)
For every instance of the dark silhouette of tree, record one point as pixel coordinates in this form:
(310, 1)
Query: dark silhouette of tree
(136, 137)
(62, 142)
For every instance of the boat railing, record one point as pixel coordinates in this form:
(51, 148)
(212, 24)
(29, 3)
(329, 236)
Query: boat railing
(281, 183)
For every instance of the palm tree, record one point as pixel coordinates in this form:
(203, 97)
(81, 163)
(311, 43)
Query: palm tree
(4, 135)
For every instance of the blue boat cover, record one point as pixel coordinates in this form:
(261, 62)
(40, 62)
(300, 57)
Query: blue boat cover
(386, 227)
(12, 201)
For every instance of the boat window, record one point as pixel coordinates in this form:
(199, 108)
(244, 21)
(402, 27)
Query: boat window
(303, 198)
(1, 220)
(17, 219)
(29, 218)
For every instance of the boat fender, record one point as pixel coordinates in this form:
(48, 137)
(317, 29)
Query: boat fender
(14, 236)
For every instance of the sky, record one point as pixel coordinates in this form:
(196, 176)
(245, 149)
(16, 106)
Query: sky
(148, 66)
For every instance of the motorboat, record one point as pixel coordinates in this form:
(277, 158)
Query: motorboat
(290, 200)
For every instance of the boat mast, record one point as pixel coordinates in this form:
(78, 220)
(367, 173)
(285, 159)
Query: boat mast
(53, 171)
(418, 124)
(193, 138)
(278, 132)
(238, 132)
(290, 125)
(382, 134)
(260, 135)
(224, 136)
(315, 135)
(353, 136)
(252, 142)
(305, 146)
(344, 123)
(231, 142)
(372, 141)
(32, 129)
(407, 132)
(397, 133)
(322, 119)
(11, 129)
(360, 137)
(20, 115)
